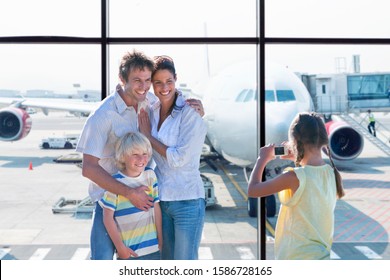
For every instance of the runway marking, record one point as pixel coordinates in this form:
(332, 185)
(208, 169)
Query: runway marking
(368, 252)
(4, 252)
(239, 189)
(81, 254)
(205, 253)
(245, 253)
(234, 182)
(40, 254)
(334, 256)
(357, 219)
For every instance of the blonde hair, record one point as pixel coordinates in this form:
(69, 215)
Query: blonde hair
(130, 142)
(308, 129)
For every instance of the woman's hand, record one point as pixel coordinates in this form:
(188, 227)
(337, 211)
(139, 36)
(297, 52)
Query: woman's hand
(144, 123)
(119, 89)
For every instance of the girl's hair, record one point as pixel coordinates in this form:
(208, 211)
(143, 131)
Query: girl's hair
(129, 143)
(308, 129)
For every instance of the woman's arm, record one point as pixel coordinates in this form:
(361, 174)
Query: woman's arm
(146, 129)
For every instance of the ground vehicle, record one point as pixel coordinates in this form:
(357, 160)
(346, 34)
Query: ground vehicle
(60, 142)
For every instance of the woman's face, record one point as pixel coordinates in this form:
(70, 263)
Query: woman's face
(164, 84)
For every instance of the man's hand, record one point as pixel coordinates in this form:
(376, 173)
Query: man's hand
(197, 105)
(139, 198)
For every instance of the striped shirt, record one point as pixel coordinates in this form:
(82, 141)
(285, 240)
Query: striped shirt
(103, 128)
(136, 227)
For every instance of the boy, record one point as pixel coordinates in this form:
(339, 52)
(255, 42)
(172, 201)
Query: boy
(136, 234)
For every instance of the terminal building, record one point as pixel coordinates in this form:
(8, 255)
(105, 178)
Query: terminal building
(345, 92)
(348, 96)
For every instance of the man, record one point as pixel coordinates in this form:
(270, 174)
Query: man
(116, 116)
(371, 124)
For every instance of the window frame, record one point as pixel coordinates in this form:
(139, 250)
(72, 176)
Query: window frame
(260, 41)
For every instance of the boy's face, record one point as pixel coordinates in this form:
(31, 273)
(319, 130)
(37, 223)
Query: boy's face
(136, 162)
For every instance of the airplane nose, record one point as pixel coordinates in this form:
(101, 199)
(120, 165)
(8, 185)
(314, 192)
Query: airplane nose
(276, 132)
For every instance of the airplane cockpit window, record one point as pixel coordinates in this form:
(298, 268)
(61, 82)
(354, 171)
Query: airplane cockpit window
(285, 95)
(249, 95)
(269, 96)
(246, 95)
(241, 96)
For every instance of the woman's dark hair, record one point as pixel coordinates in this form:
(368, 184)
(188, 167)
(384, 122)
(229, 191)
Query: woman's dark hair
(164, 62)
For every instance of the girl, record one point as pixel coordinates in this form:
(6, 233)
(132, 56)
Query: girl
(307, 193)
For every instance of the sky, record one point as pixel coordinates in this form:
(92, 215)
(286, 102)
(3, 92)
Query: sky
(60, 67)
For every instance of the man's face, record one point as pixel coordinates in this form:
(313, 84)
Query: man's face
(137, 85)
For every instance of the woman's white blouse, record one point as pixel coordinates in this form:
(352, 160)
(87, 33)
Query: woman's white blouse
(184, 133)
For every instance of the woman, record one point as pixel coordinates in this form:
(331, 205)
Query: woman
(176, 132)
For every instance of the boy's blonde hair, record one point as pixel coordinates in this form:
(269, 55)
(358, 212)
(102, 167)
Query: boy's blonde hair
(130, 142)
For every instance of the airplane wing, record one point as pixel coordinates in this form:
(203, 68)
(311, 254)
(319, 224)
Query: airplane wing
(54, 104)
(15, 122)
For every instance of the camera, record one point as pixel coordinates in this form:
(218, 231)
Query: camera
(280, 150)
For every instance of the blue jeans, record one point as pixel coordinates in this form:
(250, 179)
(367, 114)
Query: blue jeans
(102, 247)
(182, 225)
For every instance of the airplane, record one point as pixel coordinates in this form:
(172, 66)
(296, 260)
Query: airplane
(15, 122)
(230, 102)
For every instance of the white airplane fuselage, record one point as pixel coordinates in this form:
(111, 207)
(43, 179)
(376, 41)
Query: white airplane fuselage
(231, 110)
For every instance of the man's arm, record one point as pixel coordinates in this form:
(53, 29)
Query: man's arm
(93, 171)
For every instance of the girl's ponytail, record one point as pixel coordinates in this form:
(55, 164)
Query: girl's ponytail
(339, 183)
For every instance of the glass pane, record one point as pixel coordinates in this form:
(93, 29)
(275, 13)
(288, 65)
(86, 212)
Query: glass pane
(175, 18)
(344, 82)
(38, 70)
(217, 75)
(327, 18)
(50, 18)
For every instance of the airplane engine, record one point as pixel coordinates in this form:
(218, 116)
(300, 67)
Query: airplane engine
(345, 142)
(15, 124)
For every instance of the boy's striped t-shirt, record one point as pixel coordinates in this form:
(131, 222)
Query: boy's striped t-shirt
(137, 227)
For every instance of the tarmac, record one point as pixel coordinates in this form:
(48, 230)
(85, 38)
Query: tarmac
(33, 184)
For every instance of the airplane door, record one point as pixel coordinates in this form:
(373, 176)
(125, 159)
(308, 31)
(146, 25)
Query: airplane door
(324, 102)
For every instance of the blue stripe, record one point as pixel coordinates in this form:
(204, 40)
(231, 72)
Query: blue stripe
(118, 176)
(145, 244)
(128, 211)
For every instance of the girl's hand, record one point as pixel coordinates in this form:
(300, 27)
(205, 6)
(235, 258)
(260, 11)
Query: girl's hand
(267, 153)
(290, 155)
